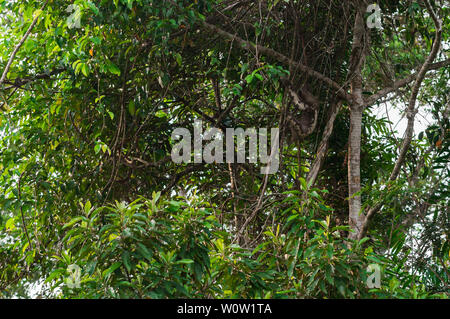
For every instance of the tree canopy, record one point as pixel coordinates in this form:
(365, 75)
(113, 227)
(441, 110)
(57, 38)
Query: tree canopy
(92, 204)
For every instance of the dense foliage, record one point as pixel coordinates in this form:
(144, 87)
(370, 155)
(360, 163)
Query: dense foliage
(92, 90)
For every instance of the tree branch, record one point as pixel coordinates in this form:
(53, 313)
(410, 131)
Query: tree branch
(323, 147)
(403, 82)
(281, 58)
(19, 82)
(411, 111)
(19, 45)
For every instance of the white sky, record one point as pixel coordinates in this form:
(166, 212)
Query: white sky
(399, 122)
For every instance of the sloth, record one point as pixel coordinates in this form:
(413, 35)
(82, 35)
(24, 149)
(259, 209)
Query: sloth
(302, 125)
(302, 121)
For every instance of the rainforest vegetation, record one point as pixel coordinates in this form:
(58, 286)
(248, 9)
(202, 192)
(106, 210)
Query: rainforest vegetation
(92, 204)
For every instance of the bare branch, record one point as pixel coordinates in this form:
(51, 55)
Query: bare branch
(323, 147)
(403, 82)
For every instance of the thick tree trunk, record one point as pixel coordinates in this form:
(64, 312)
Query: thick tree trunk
(356, 217)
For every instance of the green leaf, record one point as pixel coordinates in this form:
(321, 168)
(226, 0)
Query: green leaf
(144, 251)
(85, 69)
(112, 68)
(249, 78)
(87, 207)
(126, 260)
(363, 240)
(132, 108)
(97, 148)
(10, 224)
(72, 222)
(178, 58)
(160, 114)
(111, 269)
(303, 182)
(184, 261)
(111, 115)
